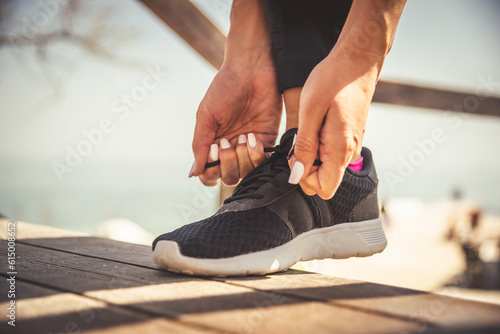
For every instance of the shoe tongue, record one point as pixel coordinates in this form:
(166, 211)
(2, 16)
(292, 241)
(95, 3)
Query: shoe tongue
(287, 139)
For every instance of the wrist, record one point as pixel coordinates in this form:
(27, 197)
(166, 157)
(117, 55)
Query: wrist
(359, 44)
(365, 65)
(248, 52)
(248, 43)
(371, 26)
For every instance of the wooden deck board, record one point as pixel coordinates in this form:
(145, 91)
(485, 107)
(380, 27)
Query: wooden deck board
(211, 303)
(120, 285)
(94, 247)
(428, 310)
(47, 310)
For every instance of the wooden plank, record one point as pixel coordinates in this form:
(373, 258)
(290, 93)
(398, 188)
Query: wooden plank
(421, 308)
(79, 243)
(28, 230)
(190, 23)
(192, 301)
(433, 98)
(51, 311)
(193, 26)
(199, 32)
(105, 249)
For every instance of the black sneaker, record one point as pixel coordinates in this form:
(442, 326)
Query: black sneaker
(268, 225)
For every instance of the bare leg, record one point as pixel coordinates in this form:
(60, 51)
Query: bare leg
(291, 97)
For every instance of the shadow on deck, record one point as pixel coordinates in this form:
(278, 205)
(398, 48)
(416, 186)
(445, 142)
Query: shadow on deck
(69, 283)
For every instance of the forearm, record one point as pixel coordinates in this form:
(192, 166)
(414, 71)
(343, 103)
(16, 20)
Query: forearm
(249, 39)
(370, 28)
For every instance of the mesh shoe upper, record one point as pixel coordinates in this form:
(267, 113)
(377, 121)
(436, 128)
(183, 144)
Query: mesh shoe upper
(351, 191)
(230, 234)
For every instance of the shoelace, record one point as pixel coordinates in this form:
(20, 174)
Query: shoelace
(217, 162)
(317, 162)
(256, 178)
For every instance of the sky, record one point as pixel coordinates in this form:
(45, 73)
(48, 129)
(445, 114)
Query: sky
(138, 169)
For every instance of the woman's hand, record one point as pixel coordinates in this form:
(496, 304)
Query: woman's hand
(243, 99)
(239, 102)
(336, 96)
(332, 117)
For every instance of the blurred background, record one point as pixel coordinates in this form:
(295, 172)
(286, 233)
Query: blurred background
(97, 111)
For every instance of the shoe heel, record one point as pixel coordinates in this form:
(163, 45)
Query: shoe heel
(373, 237)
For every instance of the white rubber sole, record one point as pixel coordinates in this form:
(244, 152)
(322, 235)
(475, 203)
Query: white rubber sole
(339, 242)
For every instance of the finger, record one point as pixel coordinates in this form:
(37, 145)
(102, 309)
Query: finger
(228, 163)
(334, 157)
(306, 188)
(328, 180)
(204, 136)
(314, 184)
(336, 150)
(306, 147)
(210, 177)
(255, 150)
(305, 184)
(244, 163)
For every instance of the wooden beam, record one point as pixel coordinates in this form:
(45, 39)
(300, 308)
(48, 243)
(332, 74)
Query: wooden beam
(433, 98)
(190, 23)
(193, 26)
(199, 32)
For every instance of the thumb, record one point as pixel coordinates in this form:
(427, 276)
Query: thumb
(204, 136)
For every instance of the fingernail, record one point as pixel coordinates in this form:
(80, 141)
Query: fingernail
(297, 172)
(214, 152)
(251, 140)
(191, 172)
(224, 144)
(242, 139)
(294, 137)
